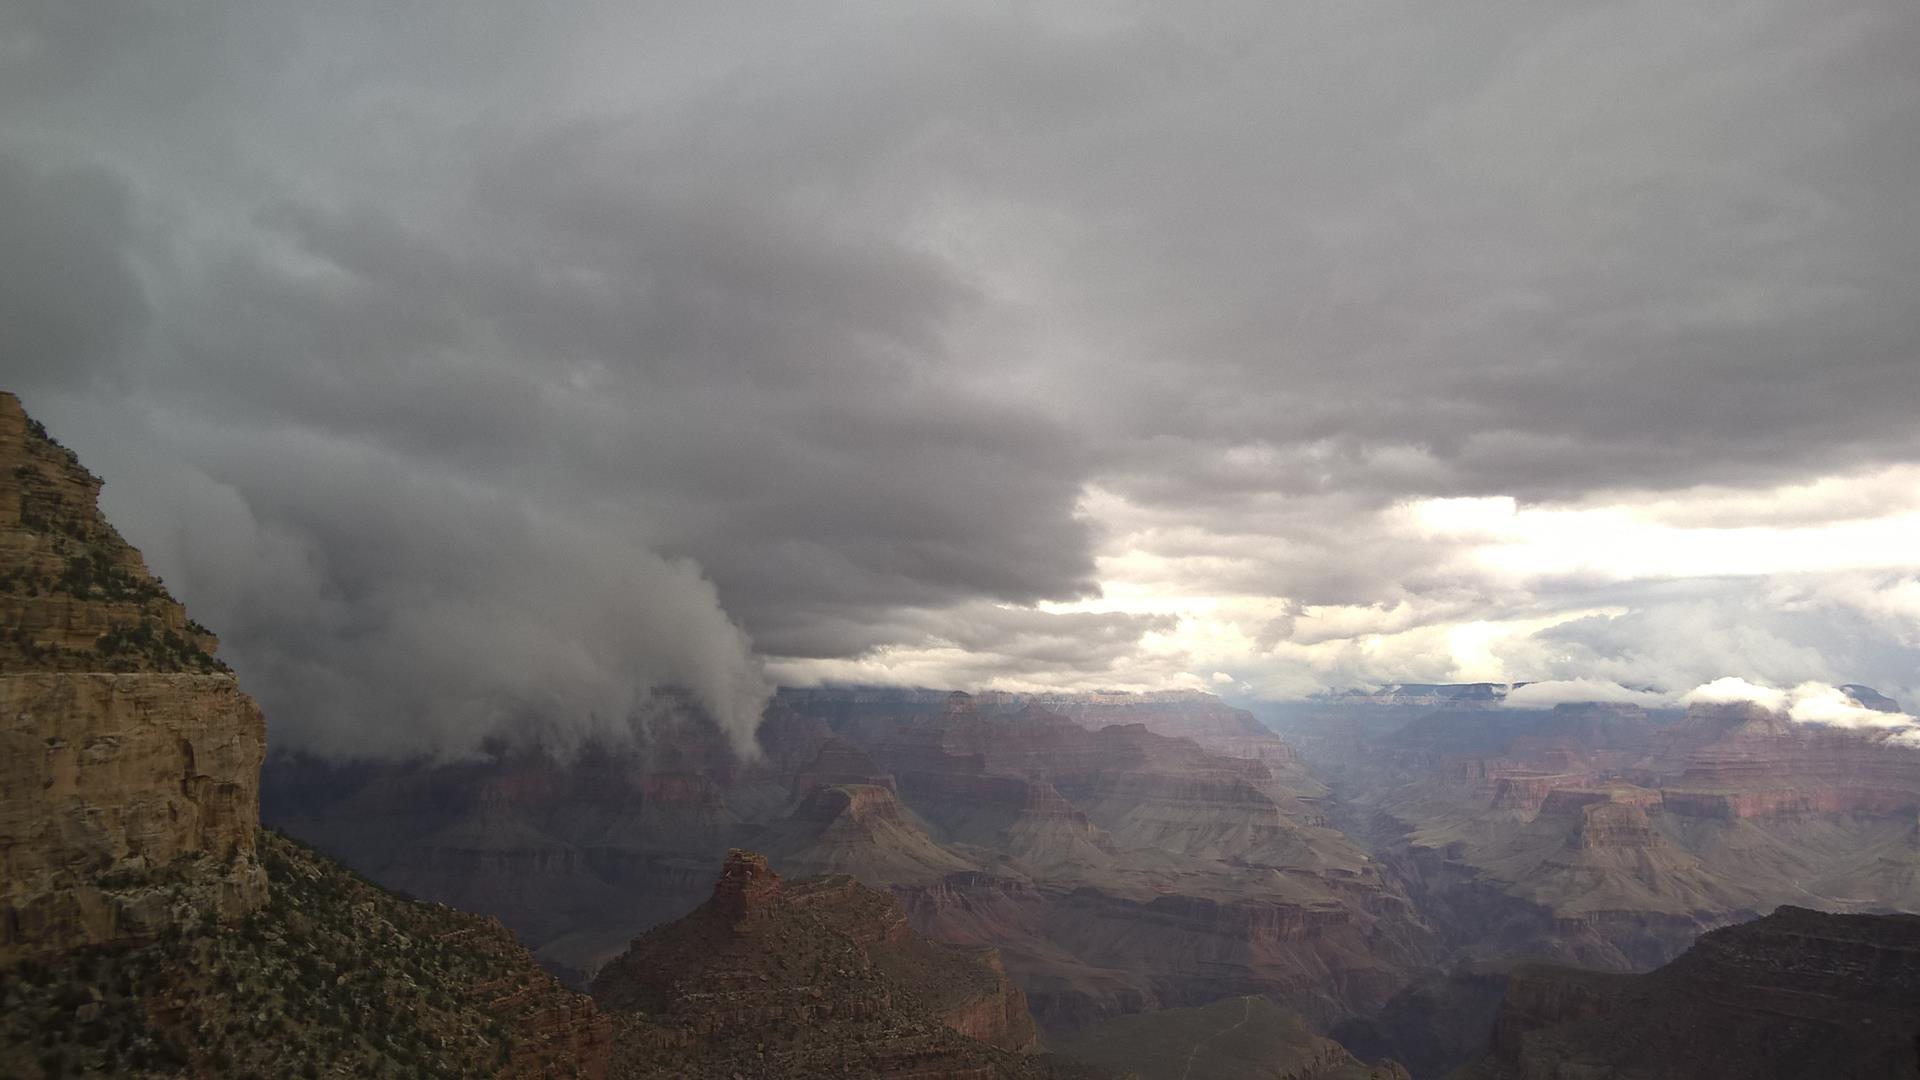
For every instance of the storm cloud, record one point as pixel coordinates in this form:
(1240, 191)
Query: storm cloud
(480, 367)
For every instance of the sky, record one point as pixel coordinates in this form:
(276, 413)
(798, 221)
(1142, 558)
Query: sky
(478, 367)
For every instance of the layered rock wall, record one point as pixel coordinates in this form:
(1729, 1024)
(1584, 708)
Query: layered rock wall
(110, 780)
(1798, 993)
(129, 758)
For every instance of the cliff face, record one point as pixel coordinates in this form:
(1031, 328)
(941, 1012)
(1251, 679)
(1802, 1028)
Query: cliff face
(109, 777)
(147, 925)
(125, 747)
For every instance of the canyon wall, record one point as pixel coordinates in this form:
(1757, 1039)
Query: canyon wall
(1610, 836)
(129, 757)
(1796, 994)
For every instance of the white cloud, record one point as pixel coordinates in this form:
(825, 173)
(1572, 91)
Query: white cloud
(1730, 689)
(1818, 703)
(1541, 695)
(1807, 703)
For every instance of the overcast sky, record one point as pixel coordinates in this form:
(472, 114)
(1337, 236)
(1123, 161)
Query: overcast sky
(486, 363)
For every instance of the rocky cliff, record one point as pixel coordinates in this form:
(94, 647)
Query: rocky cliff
(147, 925)
(74, 595)
(1797, 994)
(125, 747)
(817, 977)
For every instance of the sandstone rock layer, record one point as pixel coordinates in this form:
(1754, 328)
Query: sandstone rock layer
(110, 777)
(129, 757)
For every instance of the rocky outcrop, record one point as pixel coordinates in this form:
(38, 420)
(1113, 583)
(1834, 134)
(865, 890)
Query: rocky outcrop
(147, 925)
(819, 977)
(126, 750)
(1799, 993)
(74, 595)
(862, 831)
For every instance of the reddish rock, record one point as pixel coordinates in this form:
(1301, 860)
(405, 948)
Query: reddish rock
(808, 977)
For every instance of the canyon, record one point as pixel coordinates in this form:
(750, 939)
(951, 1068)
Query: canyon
(1375, 865)
(918, 883)
(1120, 854)
(1611, 837)
(149, 926)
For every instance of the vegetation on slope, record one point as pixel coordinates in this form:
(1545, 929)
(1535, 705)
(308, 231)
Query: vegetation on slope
(60, 556)
(1241, 1038)
(334, 977)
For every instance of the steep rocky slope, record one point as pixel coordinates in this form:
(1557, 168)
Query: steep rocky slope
(74, 595)
(147, 926)
(1243, 1038)
(125, 747)
(333, 976)
(1797, 994)
(819, 977)
(1435, 1023)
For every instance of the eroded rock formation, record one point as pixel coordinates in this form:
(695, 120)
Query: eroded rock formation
(1116, 867)
(1797, 994)
(126, 749)
(822, 976)
(1608, 836)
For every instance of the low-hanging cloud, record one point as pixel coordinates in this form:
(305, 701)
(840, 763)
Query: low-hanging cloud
(1806, 703)
(1732, 689)
(853, 329)
(382, 610)
(1551, 692)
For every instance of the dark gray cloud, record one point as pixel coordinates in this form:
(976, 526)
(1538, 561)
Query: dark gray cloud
(829, 319)
(69, 299)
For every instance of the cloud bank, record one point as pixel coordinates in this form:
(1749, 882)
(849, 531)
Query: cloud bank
(486, 368)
